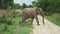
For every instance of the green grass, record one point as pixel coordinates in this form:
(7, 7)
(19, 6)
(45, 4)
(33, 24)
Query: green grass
(53, 19)
(15, 27)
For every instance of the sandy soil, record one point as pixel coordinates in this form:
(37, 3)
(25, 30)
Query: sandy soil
(48, 28)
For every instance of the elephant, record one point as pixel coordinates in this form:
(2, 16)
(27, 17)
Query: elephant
(31, 13)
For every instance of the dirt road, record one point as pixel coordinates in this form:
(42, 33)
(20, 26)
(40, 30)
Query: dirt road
(48, 28)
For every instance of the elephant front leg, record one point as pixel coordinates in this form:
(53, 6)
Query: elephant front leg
(32, 20)
(36, 17)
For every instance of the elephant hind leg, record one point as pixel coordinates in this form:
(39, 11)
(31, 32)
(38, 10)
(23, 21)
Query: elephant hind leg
(36, 17)
(23, 20)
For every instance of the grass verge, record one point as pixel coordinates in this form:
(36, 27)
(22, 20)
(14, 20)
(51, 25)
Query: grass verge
(53, 19)
(15, 27)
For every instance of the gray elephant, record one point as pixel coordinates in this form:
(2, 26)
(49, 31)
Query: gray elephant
(31, 13)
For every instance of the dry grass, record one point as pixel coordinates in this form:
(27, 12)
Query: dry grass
(4, 12)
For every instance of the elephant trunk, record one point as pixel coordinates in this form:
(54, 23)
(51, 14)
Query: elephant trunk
(42, 13)
(43, 19)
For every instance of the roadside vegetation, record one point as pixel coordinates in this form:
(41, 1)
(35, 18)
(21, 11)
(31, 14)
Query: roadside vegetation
(11, 25)
(54, 19)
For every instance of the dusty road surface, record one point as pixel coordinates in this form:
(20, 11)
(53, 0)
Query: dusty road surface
(48, 28)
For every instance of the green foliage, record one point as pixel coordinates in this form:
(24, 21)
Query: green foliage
(30, 6)
(53, 19)
(4, 23)
(5, 20)
(49, 6)
(14, 28)
(34, 4)
(16, 14)
(6, 3)
(24, 6)
(17, 6)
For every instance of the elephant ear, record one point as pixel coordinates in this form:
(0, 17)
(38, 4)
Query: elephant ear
(40, 9)
(37, 10)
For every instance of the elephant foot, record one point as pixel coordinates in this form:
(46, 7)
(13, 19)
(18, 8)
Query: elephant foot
(21, 24)
(38, 24)
(43, 23)
(31, 24)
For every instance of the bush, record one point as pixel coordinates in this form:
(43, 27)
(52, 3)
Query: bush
(49, 6)
(54, 19)
(6, 20)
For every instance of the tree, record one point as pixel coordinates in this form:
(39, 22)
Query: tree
(34, 4)
(6, 3)
(30, 6)
(24, 6)
(49, 6)
(17, 6)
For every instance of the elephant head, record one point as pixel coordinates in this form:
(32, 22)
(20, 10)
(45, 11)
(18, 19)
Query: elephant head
(40, 11)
